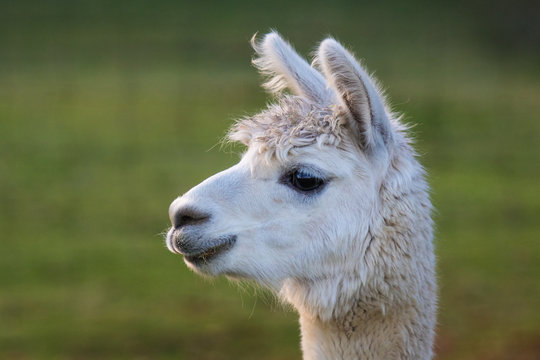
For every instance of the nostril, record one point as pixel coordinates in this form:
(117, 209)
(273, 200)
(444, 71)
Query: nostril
(189, 216)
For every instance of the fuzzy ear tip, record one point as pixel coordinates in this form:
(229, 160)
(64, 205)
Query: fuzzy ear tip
(268, 41)
(272, 34)
(329, 45)
(272, 38)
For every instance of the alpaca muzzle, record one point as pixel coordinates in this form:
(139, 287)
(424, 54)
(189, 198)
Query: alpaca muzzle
(195, 249)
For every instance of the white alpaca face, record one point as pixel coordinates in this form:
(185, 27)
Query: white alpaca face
(301, 201)
(277, 220)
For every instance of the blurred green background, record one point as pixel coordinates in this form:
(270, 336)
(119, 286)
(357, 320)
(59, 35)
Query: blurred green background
(110, 109)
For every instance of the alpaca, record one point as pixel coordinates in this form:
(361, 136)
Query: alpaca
(328, 207)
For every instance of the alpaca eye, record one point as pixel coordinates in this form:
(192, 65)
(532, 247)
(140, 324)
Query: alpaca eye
(304, 181)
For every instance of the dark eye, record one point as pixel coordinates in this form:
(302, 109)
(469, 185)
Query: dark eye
(304, 181)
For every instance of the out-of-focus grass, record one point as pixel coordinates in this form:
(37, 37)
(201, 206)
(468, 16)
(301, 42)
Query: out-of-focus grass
(109, 112)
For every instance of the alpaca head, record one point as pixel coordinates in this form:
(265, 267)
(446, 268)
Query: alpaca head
(313, 187)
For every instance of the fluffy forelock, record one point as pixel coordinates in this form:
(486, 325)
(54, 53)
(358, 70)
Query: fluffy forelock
(290, 123)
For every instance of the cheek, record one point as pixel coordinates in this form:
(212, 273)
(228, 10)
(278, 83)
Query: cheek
(275, 233)
(340, 224)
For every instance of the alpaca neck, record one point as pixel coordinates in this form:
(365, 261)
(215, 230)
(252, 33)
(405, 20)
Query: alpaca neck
(365, 333)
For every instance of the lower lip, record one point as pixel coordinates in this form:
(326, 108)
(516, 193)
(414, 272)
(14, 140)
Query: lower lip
(211, 253)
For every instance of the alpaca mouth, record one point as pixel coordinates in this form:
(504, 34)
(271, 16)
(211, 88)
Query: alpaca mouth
(200, 255)
(212, 252)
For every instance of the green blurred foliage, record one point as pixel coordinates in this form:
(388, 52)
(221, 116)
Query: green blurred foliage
(108, 110)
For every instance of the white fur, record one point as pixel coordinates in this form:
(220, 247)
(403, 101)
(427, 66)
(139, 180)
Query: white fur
(356, 259)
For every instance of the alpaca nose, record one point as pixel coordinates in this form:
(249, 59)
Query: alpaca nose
(189, 216)
(186, 215)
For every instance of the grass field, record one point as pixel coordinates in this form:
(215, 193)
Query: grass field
(109, 111)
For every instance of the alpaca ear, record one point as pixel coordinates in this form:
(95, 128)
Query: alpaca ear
(277, 60)
(358, 92)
